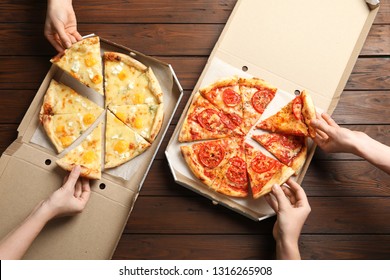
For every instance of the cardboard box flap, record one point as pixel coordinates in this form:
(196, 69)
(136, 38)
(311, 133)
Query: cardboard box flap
(92, 234)
(286, 43)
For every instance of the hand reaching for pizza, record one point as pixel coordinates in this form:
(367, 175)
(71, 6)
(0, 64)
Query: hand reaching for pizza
(61, 25)
(332, 138)
(71, 198)
(292, 208)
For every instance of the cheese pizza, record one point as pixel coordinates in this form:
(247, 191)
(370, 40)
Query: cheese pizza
(134, 109)
(83, 62)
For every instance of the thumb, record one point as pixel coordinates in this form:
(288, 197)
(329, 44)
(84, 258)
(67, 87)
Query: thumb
(73, 177)
(282, 199)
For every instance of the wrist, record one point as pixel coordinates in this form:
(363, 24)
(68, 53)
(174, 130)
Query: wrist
(287, 250)
(358, 145)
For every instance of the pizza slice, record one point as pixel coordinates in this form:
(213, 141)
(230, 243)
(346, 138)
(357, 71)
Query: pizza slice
(256, 95)
(64, 129)
(232, 178)
(264, 171)
(225, 95)
(291, 150)
(128, 81)
(145, 119)
(294, 118)
(206, 159)
(88, 155)
(204, 121)
(122, 143)
(61, 99)
(83, 62)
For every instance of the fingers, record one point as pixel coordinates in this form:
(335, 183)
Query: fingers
(56, 44)
(271, 200)
(86, 190)
(73, 177)
(65, 39)
(282, 201)
(300, 195)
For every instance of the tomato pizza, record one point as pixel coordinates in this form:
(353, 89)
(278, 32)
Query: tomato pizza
(216, 129)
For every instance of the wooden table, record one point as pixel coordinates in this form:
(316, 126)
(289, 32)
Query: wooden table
(350, 199)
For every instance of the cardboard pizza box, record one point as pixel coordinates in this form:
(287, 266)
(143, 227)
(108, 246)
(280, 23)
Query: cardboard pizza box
(29, 174)
(293, 45)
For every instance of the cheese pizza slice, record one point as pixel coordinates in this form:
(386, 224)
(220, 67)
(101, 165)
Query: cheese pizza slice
(64, 129)
(61, 99)
(122, 143)
(294, 118)
(88, 155)
(83, 62)
(204, 121)
(264, 171)
(291, 150)
(145, 119)
(128, 81)
(256, 95)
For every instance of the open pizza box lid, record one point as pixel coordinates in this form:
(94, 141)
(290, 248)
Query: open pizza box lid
(293, 45)
(29, 174)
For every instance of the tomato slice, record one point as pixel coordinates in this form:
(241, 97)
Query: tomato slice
(261, 99)
(228, 122)
(230, 97)
(236, 173)
(261, 164)
(209, 119)
(211, 154)
(297, 108)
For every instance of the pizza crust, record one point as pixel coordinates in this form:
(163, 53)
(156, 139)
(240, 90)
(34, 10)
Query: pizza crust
(280, 177)
(308, 112)
(157, 123)
(85, 171)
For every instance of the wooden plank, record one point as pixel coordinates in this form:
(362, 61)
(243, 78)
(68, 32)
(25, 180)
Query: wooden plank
(202, 11)
(119, 11)
(152, 39)
(197, 215)
(27, 72)
(323, 179)
(245, 247)
(8, 134)
(14, 104)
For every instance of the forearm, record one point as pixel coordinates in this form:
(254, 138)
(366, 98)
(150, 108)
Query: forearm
(16, 243)
(287, 250)
(373, 151)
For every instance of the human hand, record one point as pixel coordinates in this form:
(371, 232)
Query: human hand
(292, 209)
(61, 25)
(332, 138)
(71, 198)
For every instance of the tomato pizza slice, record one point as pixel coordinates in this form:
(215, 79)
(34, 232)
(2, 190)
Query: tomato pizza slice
(225, 95)
(206, 159)
(291, 150)
(256, 95)
(294, 118)
(232, 178)
(264, 171)
(204, 121)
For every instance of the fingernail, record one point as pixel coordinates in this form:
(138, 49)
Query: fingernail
(275, 187)
(68, 44)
